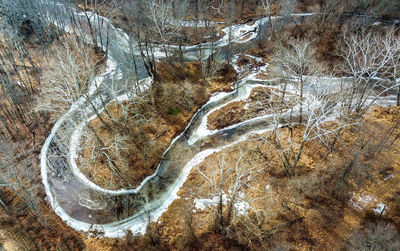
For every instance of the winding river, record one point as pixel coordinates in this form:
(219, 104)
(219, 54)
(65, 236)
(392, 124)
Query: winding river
(87, 207)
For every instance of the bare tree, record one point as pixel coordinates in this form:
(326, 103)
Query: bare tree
(270, 8)
(365, 61)
(208, 68)
(391, 44)
(16, 86)
(206, 11)
(72, 69)
(94, 22)
(228, 184)
(34, 19)
(374, 236)
(319, 106)
(18, 174)
(230, 16)
(140, 32)
(295, 60)
(376, 8)
(372, 61)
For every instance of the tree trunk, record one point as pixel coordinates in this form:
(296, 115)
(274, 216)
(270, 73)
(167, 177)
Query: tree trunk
(301, 99)
(333, 143)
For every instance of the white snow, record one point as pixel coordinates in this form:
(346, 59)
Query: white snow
(218, 96)
(380, 208)
(203, 203)
(362, 201)
(200, 24)
(241, 206)
(391, 176)
(88, 203)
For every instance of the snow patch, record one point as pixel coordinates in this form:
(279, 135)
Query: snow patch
(391, 176)
(380, 208)
(362, 201)
(241, 206)
(93, 205)
(203, 203)
(218, 96)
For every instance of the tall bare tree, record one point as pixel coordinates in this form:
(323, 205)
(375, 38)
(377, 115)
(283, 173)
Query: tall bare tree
(72, 68)
(391, 44)
(373, 66)
(319, 106)
(295, 60)
(228, 184)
